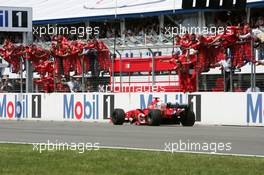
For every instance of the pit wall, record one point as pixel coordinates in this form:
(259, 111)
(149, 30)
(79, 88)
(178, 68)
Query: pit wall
(242, 109)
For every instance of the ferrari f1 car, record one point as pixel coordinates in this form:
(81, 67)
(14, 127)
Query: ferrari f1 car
(155, 114)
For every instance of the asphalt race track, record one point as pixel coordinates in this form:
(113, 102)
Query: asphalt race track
(244, 140)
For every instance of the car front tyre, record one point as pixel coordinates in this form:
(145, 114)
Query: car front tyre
(118, 117)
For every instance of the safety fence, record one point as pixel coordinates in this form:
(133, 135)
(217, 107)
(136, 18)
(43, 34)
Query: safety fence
(127, 66)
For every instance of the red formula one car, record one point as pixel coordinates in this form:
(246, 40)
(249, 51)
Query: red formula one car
(156, 113)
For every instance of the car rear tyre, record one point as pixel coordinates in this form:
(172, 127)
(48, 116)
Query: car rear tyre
(188, 118)
(154, 117)
(118, 117)
(176, 120)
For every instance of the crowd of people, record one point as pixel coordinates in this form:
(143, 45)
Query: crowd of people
(132, 30)
(195, 54)
(231, 50)
(10, 85)
(67, 56)
(71, 84)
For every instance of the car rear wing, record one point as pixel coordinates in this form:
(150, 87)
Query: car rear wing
(177, 105)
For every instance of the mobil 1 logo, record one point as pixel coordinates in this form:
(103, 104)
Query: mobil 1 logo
(36, 106)
(195, 104)
(20, 19)
(109, 105)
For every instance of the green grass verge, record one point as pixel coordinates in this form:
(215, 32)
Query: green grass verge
(21, 159)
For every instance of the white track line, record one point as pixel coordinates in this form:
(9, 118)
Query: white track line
(153, 150)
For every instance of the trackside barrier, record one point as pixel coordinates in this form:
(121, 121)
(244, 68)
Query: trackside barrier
(75, 107)
(243, 109)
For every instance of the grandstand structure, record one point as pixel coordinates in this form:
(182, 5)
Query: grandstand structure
(139, 32)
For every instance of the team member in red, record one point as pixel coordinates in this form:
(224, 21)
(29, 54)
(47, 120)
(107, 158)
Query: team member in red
(76, 57)
(194, 46)
(37, 54)
(12, 54)
(245, 47)
(230, 36)
(227, 40)
(45, 67)
(60, 51)
(181, 70)
(47, 83)
(183, 63)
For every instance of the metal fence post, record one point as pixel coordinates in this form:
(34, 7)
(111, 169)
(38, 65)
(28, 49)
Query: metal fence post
(21, 75)
(197, 73)
(83, 81)
(120, 69)
(153, 68)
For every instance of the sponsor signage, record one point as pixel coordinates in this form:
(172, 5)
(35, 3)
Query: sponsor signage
(15, 19)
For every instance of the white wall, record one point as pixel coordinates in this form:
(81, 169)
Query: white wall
(63, 107)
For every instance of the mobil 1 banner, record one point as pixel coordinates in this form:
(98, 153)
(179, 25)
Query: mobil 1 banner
(36, 106)
(108, 105)
(15, 19)
(194, 100)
